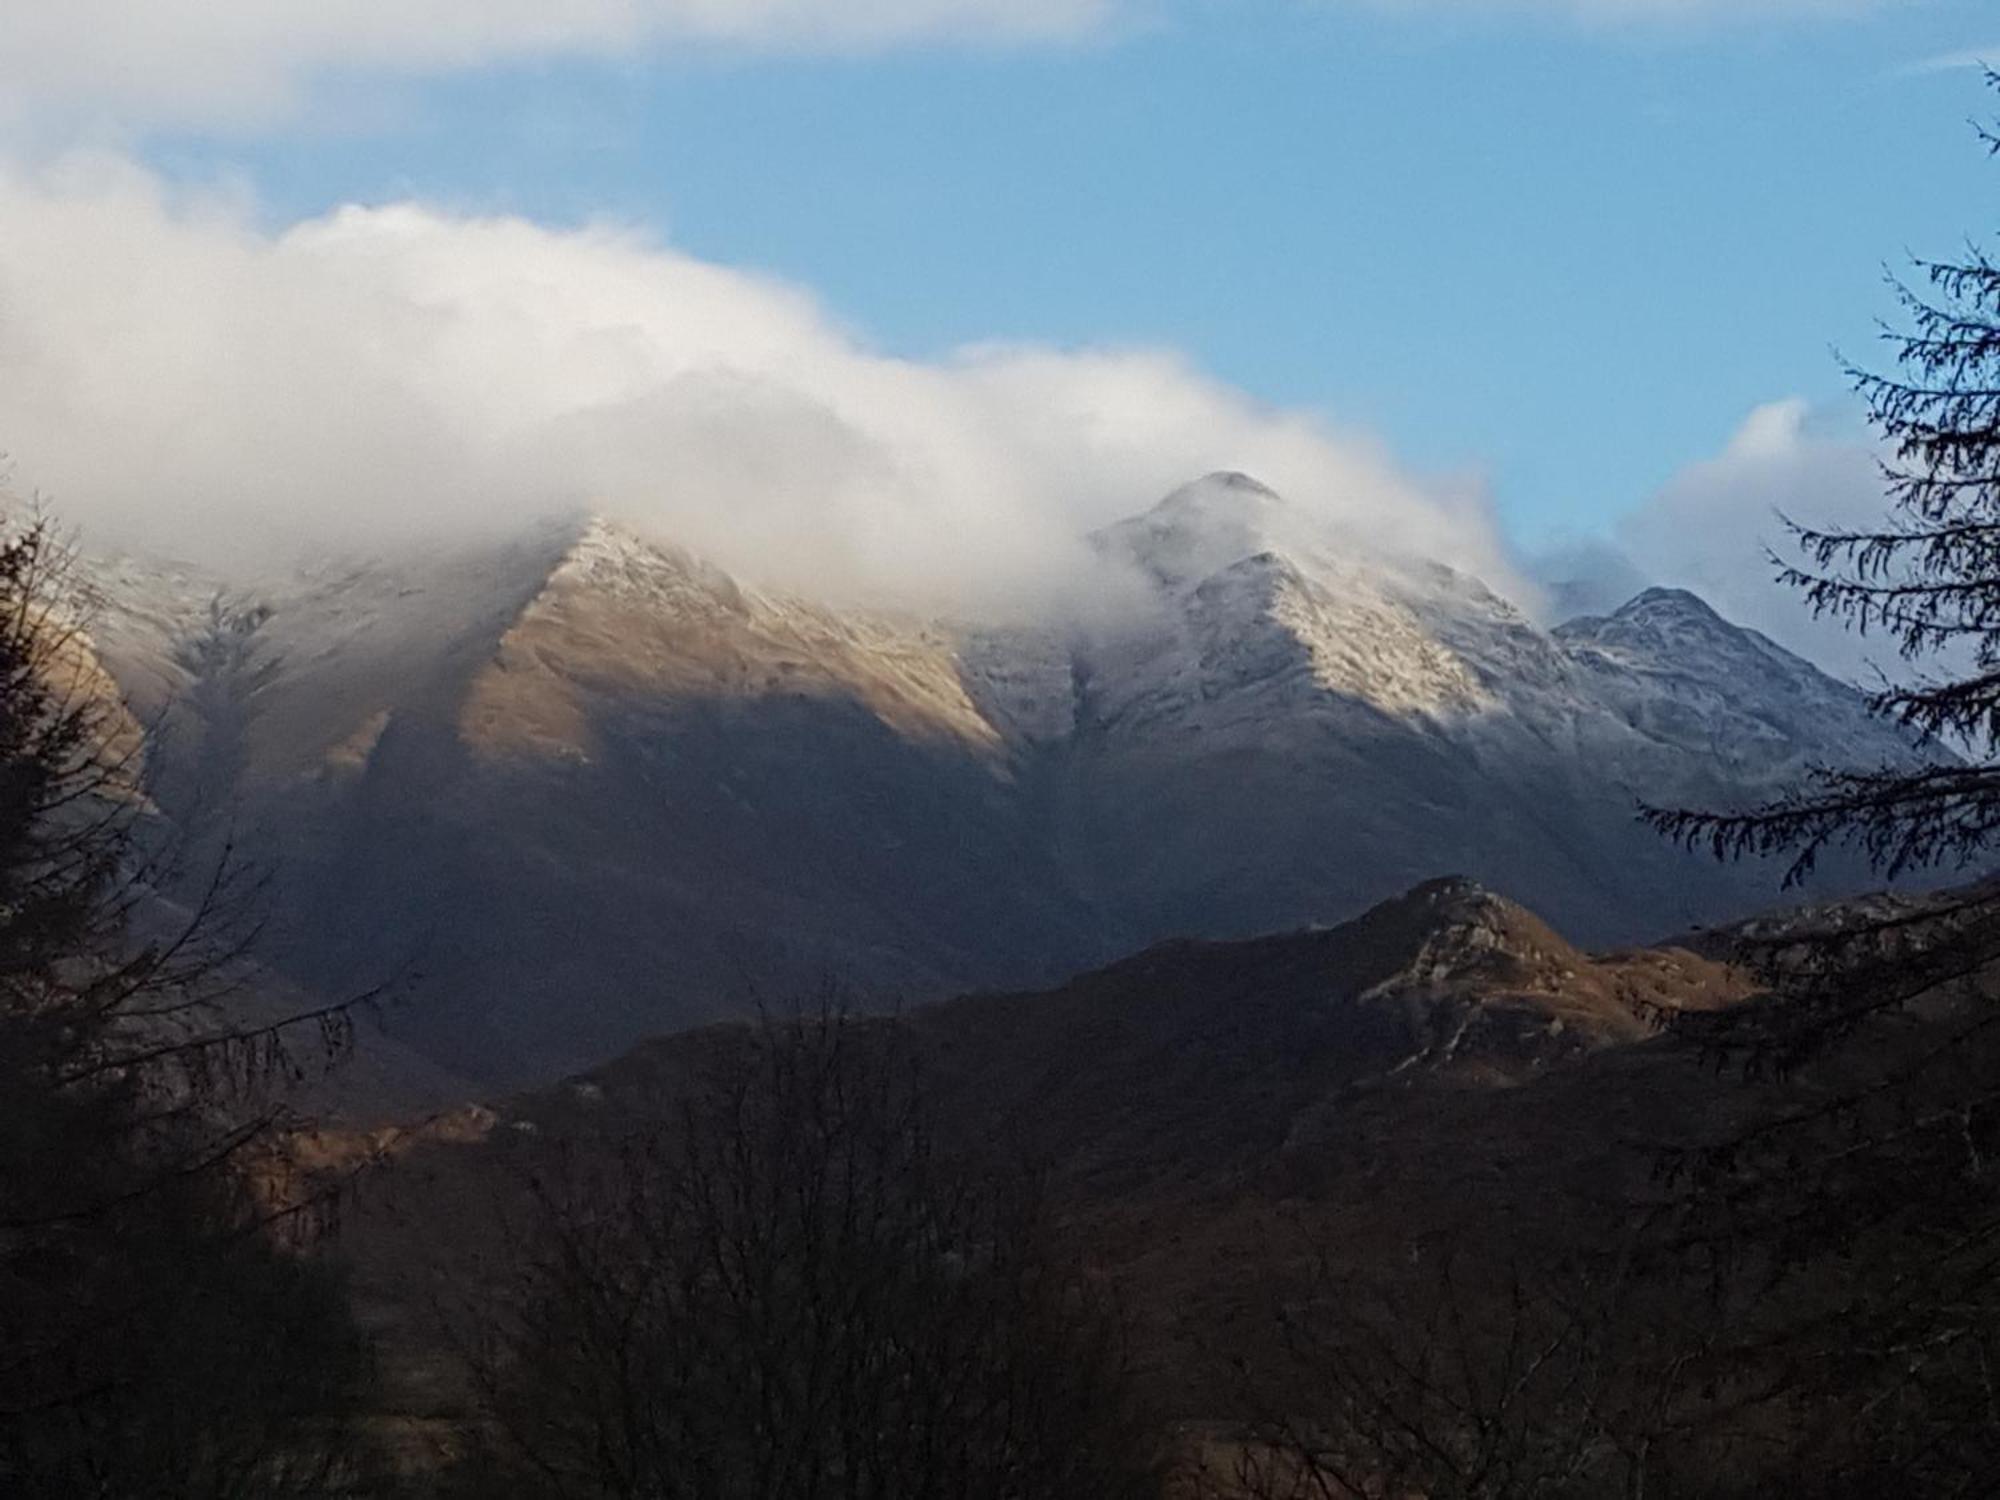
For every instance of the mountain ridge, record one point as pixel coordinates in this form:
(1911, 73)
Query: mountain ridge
(1443, 1063)
(584, 756)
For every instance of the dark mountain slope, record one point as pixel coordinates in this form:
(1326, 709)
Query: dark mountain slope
(580, 787)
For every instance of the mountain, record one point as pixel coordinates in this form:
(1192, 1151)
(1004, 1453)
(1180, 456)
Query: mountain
(1201, 1057)
(578, 786)
(1445, 1063)
(1300, 732)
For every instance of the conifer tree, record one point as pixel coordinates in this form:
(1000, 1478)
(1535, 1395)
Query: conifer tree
(156, 1335)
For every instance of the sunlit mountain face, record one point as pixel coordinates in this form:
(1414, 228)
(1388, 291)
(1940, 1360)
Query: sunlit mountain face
(586, 786)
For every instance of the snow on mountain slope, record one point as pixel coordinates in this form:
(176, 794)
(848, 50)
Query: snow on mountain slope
(1253, 604)
(623, 616)
(1747, 709)
(1294, 729)
(300, 669)
(139, 609)
(591, 786)
(1250, 600)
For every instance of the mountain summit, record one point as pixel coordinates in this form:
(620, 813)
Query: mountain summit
(1201, 528)
(585, 786)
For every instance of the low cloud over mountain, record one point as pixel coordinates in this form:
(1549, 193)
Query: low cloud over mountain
(180, 377)
(590, 786)
(1719, 528)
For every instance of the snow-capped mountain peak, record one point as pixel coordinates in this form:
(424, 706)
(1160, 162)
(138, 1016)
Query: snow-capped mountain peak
(1261, 618)
(1669, 629)
(588, 754)
(1202, 528)
(1660, 614)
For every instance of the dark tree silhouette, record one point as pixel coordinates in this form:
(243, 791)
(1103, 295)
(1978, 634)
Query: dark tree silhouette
(790, 1290)
(154, 1339)
(1478, 1372)
(1927, 579)
(1877, 1188)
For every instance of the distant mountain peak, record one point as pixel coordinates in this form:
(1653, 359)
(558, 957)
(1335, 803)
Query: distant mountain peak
(1225, 502)
(1221, 487)
(616, 559)
(1679, 621)
(1672, 602)
(583, 751)
(1202, 528)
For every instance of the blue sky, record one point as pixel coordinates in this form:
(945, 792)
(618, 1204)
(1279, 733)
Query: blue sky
(901, 297)
(1566, 255)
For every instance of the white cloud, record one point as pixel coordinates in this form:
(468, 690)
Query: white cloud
(175, 376)
(245, 61)
(1714, 527)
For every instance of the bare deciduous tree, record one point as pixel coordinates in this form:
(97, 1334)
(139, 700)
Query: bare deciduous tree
(1473, 1377)
(792, 1291)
